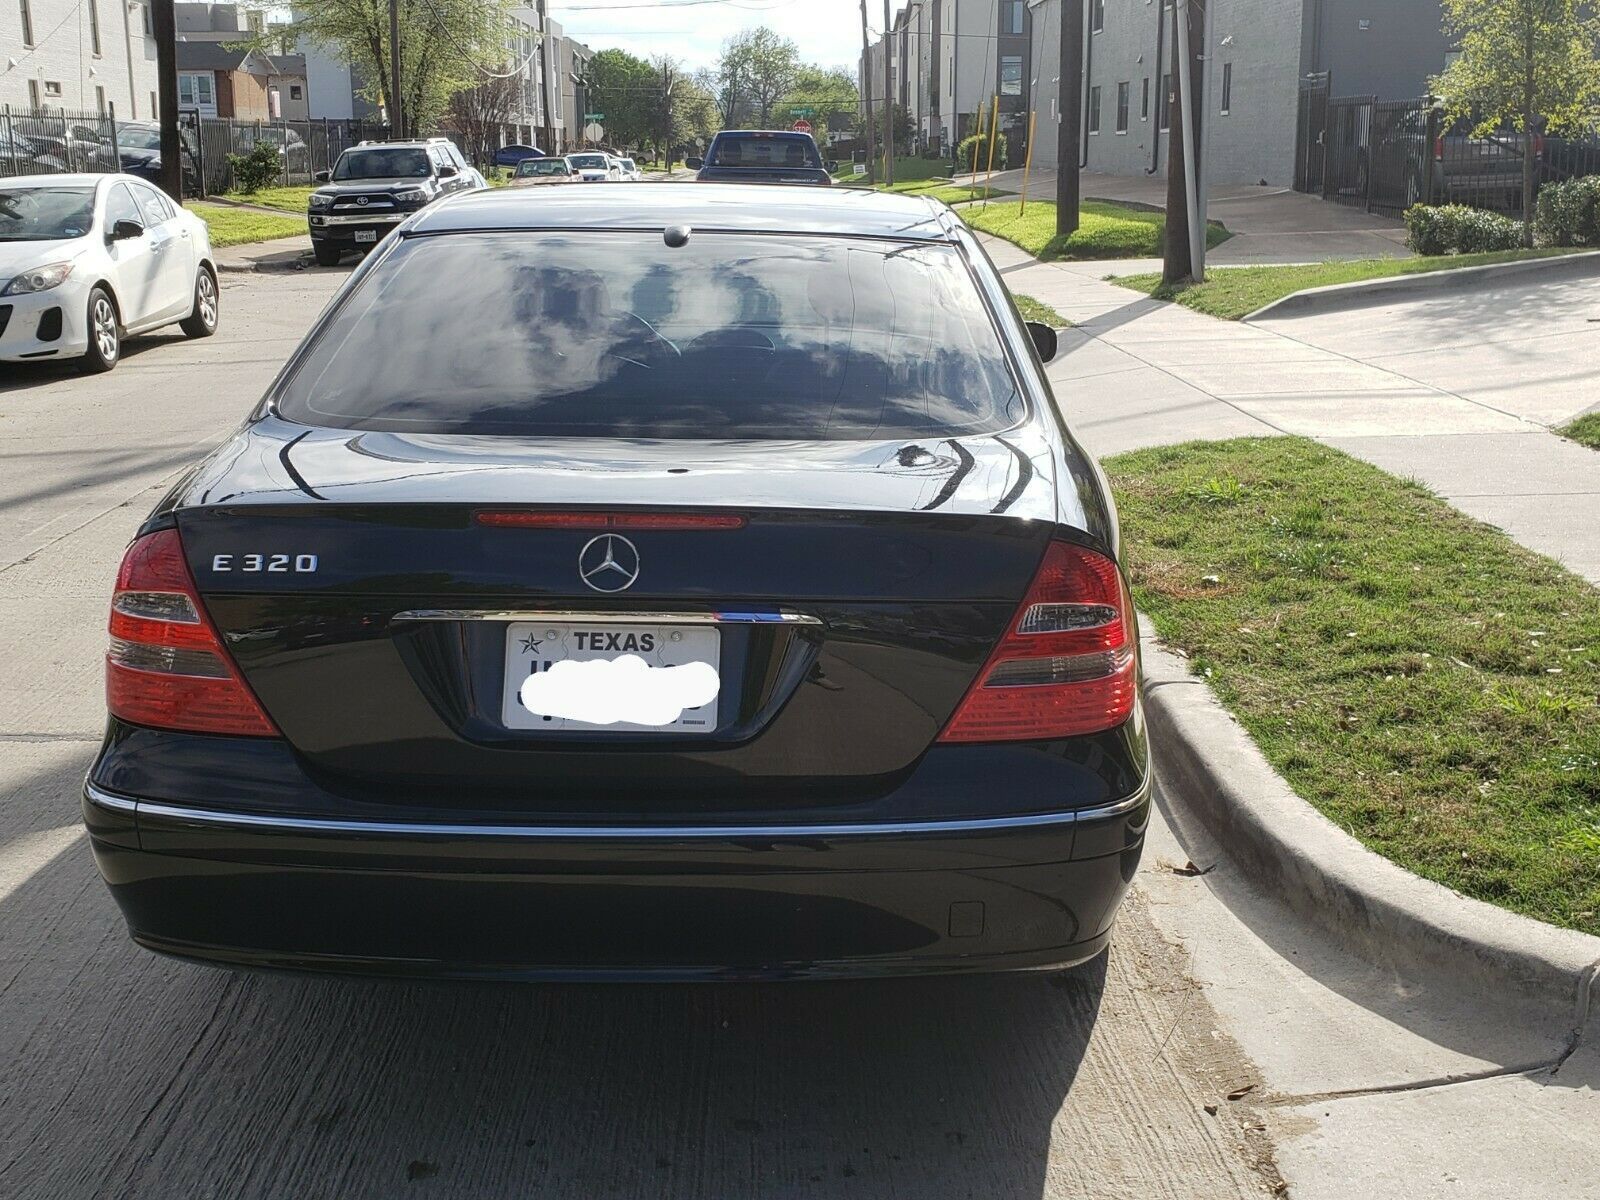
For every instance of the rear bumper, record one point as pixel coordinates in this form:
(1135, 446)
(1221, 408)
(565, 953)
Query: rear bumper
(397, 898)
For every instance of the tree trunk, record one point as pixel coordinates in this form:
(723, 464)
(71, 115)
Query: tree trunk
(1069, 133)
(1527, 137)
(1176, 264)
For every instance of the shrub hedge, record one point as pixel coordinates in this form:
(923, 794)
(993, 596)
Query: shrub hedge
(1456, 229)
(1568, 213)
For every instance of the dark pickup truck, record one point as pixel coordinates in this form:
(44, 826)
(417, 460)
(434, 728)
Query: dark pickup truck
(761, 156)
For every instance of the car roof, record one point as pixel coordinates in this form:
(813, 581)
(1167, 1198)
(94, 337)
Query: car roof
(80, 179)
(753, 208)
(774, 133)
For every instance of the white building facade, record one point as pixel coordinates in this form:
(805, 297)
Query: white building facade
(79, 55)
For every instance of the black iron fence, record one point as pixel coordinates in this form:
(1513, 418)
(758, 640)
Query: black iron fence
(1385, 156)
(48, 142)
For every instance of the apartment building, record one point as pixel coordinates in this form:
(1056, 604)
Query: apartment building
(964, 57)
(79, 55)
(1258, 53)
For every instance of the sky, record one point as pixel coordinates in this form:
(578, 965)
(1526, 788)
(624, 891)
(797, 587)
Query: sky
(827, 32)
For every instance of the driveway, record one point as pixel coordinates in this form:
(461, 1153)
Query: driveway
(1269, 225)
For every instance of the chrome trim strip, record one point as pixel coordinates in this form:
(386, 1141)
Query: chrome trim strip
(202, 816)
(781, 617)
(382, 216)
(116, 803)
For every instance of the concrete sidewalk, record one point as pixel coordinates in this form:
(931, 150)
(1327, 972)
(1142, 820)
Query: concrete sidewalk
(1269, 225)
(1137, 372)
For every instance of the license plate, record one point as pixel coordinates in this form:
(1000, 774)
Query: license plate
(663, 689)
(366, 235)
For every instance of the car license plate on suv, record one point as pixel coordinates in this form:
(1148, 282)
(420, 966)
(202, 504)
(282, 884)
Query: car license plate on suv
(678, 664)
(366, 235)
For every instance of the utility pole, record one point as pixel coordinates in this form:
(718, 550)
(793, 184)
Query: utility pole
(888, 97)
(1183, 256)
(866, 90)
(546, 126)
(1069, 135)
(396, 123)
(164, 25)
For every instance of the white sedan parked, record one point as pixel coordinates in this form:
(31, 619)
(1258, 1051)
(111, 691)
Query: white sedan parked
(88, 260)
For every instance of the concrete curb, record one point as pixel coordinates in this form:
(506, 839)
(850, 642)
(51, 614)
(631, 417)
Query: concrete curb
(1215, 773)
(1339, 297)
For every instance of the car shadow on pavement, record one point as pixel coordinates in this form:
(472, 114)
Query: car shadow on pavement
(128, 1074)
(19, 376)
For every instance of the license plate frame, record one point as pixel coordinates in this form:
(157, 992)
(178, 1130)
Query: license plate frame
(555, 640)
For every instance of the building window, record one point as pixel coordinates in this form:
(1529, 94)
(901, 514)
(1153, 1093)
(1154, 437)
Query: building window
(149, 21)
(294, 88)
(1164, 103)
(1227, 87)
(195, 90)
(1011, 20)
(52, 87)
(1097, 15)
(1144, 100)
(94, 28)
(27, 24)
(1011, 75)
(33, 93)
(1094, 110)
(155, 109)
(1122, 107)
(99, 99)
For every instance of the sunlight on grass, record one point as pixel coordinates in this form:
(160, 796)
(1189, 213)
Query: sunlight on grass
(1104, 230)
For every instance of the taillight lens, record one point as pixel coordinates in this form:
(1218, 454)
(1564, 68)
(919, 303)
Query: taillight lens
(1438, 148)
(1065, 666)
(167, 667)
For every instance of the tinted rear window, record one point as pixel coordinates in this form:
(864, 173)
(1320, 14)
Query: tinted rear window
(756, 151)
(616, 335)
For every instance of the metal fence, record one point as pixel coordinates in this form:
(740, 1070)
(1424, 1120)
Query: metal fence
(47, 142)
(1385, 156)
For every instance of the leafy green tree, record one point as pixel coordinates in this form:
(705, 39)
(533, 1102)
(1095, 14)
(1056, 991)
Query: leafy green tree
(628, 90)
(445, 45)
(1527, 64)
(831, 94)
(756, 70)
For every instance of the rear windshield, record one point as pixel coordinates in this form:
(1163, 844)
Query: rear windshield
(617, 335)
(755, 150)
(591, 161)
(543, 166)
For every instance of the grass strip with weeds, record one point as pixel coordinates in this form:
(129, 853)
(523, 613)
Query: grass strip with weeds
(1585, 430)
(1104, 230)
(1037, 310)
(1234, 292)
(1420, 678)
(241, 226)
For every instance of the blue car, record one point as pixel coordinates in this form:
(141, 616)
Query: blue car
(510, 156)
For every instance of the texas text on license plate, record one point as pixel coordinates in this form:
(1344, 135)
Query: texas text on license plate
(366, 235)
(614, 677)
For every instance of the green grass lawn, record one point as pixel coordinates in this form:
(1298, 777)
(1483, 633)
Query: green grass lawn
(909, 172)
(1038, 310)
(239, 226)
(290, 199)
(1233, 292)
(1104, 230)
(1585, 430)
(1424, 681)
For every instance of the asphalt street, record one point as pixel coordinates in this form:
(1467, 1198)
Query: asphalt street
(126, 1075)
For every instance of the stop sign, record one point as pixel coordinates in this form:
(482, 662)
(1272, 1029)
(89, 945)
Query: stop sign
(802, 126)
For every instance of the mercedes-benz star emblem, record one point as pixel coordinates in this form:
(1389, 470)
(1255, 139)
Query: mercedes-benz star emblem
(608, 563)
(362, 201)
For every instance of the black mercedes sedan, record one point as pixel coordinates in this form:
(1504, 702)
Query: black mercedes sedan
(651, 582)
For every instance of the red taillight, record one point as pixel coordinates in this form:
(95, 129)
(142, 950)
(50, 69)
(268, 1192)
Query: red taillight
(1438, 148)
(610, 520)
(1065, 666)
(167, 667)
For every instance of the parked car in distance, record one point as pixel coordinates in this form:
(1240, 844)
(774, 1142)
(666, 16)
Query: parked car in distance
(16, 148)
(537, 172)
(89, 260)
(613, 588)
(139, 147)
(510, 156)
(762, 156)
(374, 186)
(595, 166)
(630, 171)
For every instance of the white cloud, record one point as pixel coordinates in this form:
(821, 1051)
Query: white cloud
(827, 32)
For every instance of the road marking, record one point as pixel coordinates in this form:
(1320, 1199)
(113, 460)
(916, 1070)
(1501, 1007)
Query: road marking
(22, 859)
